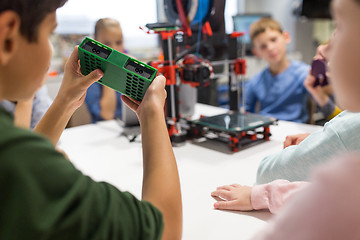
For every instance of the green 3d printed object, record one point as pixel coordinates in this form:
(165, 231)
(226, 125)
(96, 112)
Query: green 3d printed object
(121, 72)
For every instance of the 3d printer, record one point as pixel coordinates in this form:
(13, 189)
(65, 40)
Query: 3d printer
(186, 31)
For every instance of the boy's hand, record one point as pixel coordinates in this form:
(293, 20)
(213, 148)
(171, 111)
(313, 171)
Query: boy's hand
(74, 85)
(71, 95)
(317, 92)
(295, 139)
(233, 197)
(153, 101)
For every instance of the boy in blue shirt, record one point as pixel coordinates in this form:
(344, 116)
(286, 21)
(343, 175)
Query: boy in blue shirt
(279, 88)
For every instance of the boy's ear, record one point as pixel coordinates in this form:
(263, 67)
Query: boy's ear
(286, 36)
(9, 34)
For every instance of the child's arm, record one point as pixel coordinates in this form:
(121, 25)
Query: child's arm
(41, 104)
(70, 97)
(161, 184)
(108, 103)
(319, 95)
(270, 196)
(22, 113)
(326, 209)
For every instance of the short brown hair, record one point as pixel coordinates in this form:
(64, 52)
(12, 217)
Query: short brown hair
(104, 23)
(31, 13)
(262, 25)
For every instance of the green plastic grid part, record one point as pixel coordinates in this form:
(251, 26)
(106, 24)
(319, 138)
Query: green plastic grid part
(121, 72)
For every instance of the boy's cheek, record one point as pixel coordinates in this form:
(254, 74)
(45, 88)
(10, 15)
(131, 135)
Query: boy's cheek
(259, 52)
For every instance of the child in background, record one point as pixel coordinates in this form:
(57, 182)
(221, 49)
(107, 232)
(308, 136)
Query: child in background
(296, 162)
(42, 193)
(279, 88)
(307, 151)
(326, 208)
(322, 94)
(103, 102)
(29, 112)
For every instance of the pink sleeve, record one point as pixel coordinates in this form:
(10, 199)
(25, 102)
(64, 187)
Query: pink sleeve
(327, 209)
(274, 195)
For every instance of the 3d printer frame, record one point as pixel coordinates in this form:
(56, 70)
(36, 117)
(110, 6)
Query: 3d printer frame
(170, 68)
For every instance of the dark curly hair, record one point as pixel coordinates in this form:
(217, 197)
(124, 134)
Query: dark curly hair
(31, 13)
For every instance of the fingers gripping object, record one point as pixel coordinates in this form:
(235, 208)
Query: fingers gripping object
(318, 70)
(121, 72)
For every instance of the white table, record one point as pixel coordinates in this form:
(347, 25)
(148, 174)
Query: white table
(100, 151)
